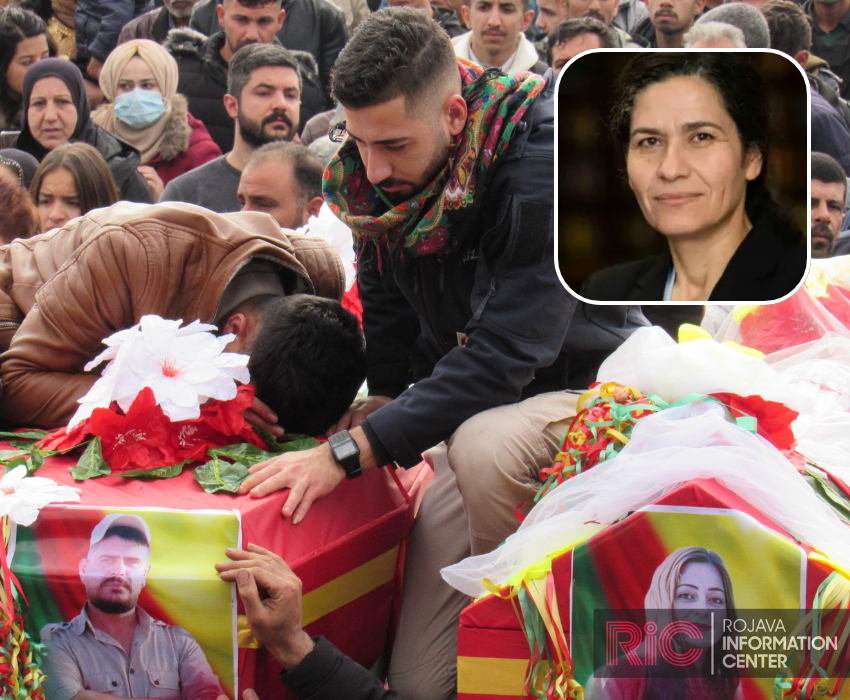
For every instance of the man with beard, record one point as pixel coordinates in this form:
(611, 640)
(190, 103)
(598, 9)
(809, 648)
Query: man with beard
(446, 180)
(828, 190)
(263, 97)
(204, 63)
(668, 22)
(113, 649)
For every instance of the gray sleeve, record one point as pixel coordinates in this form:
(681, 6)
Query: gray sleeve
(173, 193)
(63, 679)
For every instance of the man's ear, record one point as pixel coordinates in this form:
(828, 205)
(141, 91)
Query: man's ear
(280, 21)
(465, 15)
(231, 104)
(311, 209)
(220, 12)
(527, 19)
(456, 112)
(82, 567)
(802, 57)
(241, 326)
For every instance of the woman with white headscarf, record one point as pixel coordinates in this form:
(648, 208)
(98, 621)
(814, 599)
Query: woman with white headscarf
(139, 79)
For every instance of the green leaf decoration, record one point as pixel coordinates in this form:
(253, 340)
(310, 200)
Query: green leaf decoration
(268, 438)
(243, 452)
(16, 462)
(36, 459)
(296, 443)
(91, 463)
(24, 435)
(159, 473)
(6, 455)
(216, 475)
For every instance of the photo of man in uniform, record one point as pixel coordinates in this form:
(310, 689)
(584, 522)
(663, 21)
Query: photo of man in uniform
(113, 648)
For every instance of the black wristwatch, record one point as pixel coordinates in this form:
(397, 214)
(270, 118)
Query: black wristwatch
(346, 452)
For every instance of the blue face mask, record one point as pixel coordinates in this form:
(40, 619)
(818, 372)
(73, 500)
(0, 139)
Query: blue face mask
(139, 108)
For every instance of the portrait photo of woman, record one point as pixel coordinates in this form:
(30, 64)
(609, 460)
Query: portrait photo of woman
(693, 138)
(692, 584)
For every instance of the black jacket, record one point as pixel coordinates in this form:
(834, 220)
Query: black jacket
(203, 81)
(327, 674)
(123, 161)
(768, 264)
(98, 23)
(314, 26)
(448, 20)
(499, 289)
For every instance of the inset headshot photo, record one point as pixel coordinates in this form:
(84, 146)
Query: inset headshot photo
(682, 176)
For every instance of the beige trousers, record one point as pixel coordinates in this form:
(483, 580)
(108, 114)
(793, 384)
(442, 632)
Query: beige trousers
(491, 464)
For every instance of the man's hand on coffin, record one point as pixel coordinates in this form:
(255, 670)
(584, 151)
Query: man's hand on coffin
(358, 412)
(271, 594)
(263, 417)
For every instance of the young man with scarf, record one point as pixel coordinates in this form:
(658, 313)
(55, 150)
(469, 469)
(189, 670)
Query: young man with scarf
(447, 181)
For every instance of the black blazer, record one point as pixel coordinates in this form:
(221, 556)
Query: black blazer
(767, 265)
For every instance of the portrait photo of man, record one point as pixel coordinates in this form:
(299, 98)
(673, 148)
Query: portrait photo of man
(114, 648)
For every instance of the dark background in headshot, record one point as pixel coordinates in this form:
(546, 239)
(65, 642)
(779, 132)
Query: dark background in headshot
(599, 221)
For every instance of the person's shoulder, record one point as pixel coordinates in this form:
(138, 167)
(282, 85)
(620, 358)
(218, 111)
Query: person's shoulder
(621, 282)
(189, 181)
(54, 632)
(113, 148)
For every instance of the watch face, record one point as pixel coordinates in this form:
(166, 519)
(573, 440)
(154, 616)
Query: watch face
(343, 447)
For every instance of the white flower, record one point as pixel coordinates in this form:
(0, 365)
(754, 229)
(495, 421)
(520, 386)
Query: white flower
(184, 367)
(22, 496)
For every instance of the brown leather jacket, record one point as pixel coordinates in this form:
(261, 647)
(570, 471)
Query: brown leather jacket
(62, 292)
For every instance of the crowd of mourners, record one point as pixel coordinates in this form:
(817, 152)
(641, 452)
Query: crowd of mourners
(296, 108)
(107, 101)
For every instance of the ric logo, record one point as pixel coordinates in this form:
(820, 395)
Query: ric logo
(627, 644)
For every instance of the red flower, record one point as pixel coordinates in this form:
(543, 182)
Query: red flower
(220, 423)
(61, 440)
(139, 440)
(774, 418)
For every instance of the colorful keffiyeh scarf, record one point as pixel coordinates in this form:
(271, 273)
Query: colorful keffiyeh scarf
(435, 220)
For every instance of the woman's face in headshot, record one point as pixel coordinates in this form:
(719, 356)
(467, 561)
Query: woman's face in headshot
(51, 115)
(58, 200)
(699, 593)
(685, 160)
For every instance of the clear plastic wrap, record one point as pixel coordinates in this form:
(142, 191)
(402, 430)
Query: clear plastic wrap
(652, 362)
(667, 449)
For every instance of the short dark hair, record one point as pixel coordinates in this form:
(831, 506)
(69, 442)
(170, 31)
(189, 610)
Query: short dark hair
(249, 58)
(738, 83)
(126, 532)
(395, 51)
(826, 169)
(92, 176)
(17, 25)
(308, 361)
(307, 169)
(569, 29)
(790, 31)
